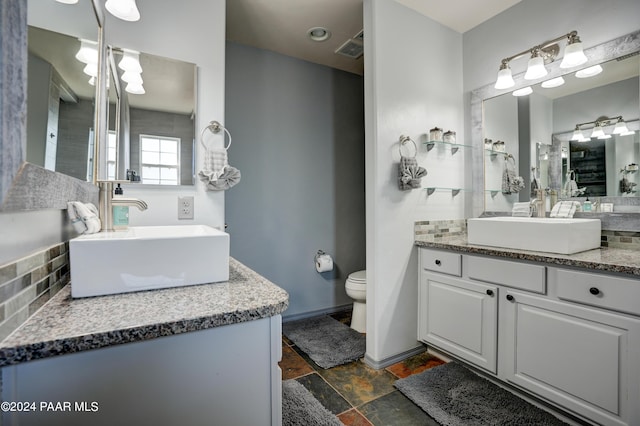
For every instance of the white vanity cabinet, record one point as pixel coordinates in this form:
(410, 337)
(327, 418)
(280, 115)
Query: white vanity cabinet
(569, 337)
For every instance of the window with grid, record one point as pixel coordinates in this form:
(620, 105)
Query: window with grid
(160, 160)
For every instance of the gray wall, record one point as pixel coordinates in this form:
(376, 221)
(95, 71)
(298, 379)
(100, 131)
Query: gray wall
(74, 126)
(39, 79)
(298, 140)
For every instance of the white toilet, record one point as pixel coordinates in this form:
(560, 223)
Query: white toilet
(356, 286)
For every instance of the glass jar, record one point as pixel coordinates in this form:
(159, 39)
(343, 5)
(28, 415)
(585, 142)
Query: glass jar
(488, 144)
(449, 136)
(498, 146)
(435, 134)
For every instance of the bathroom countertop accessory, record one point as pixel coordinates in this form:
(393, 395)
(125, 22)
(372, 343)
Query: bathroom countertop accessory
(108, 201)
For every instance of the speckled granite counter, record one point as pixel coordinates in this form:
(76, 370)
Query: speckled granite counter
(65, 325)
(605, 259)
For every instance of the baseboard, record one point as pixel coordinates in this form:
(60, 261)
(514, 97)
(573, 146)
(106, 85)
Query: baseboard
(316, 313)
(378, 365)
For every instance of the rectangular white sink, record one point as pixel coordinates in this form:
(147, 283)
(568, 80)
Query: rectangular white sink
(553, 235)
(147, 257)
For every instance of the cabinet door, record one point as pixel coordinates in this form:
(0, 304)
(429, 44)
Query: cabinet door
(585, 360)
(459, 317)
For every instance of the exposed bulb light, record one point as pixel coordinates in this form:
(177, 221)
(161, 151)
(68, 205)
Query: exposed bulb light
(67, 1)
(535, 68)
(589, 72)
(597, 131)
(123, 9)
(135, 89)
(505, 79)
(130, 61)
(91, 70)
(573, 53)
(554, 82)
(523, 92)
(132, 77)
(577, 135)
(88, 52)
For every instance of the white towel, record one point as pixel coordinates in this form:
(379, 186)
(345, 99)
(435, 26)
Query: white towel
(83, 217)
(565, 209)
(521, 209)
(215, 163)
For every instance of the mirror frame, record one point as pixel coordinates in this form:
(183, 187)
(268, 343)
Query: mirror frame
(33, 187)
(627, 44)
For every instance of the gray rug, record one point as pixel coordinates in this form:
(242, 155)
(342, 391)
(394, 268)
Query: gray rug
(327, 342)
(455, 396)
(301, 408)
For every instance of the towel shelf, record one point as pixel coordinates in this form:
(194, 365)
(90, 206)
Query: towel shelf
(454, 146)
(454, 191)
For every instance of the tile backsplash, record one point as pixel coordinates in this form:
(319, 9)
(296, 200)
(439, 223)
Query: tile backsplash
(28, 283)
(621, 239)
(432, 230)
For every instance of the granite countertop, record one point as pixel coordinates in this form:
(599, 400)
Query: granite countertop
(66, 325)
(605, 259)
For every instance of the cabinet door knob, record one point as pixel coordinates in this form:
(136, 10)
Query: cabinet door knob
(594, 291)
(510, 298)
(438, 262)
(489, 292)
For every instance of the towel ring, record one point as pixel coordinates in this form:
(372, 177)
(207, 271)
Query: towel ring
(403, 140)
(215, 127)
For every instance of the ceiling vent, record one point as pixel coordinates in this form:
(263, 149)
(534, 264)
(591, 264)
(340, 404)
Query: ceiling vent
(351, 48)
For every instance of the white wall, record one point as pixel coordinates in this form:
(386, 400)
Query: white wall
(191, 31)
(413, 82)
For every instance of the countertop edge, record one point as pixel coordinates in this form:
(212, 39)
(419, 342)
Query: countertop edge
(551, 258)
(46, 349)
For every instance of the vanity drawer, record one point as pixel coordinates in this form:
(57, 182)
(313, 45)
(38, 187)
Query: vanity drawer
(617, 294)
(441, 261)
(511, 274)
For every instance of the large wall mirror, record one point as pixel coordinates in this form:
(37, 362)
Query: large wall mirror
(533, 133)
(150, 135)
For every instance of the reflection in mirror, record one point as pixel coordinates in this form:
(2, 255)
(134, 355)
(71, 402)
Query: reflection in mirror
(537, 130)
(156, 132)
(60, 104)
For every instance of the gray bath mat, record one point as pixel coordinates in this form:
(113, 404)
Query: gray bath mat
(301, 408)
(455, 396)
(327, 342)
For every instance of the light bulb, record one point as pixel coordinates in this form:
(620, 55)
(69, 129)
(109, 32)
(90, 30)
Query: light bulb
(535, 69)
(505, 79)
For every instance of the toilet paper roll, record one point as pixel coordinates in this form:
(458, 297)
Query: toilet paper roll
(324, 263)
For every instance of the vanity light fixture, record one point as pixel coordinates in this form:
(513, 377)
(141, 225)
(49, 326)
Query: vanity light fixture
(67, 1)
(132, 77)
(589, 72)
(88, 52)
(540, 55)
(127, 10)
(130, 61)
(135, 89)
(620, 128)
(91, 70)
(523, 92)
(554, 82)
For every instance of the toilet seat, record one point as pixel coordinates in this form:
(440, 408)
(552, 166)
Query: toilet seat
(358, 277)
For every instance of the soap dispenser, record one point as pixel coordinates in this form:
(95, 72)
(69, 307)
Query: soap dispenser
(120, 213)
(587, 206)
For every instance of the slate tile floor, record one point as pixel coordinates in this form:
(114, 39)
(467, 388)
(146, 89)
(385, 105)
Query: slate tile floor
(356, 393)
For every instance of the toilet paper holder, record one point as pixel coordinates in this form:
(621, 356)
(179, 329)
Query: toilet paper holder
(323, 262)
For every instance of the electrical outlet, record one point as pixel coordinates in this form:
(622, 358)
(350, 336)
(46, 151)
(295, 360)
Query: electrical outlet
(185, 207)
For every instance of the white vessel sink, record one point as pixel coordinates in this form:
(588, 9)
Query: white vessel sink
(565, 236)
(147, 257)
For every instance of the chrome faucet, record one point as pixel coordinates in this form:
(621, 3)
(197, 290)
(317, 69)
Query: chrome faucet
(540, 203)
(107, 201)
